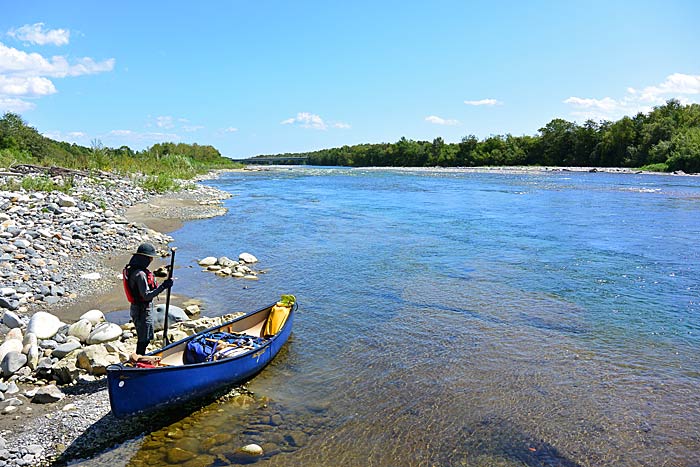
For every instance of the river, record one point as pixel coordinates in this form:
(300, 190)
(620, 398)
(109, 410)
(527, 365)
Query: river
(455, 318)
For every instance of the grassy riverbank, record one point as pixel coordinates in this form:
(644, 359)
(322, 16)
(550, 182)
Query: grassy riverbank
(161, 167)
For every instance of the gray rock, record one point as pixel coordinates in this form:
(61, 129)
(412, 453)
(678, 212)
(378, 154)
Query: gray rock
(51, 300)
(29, 341)
(44, 368)
(33, 357)
(11, 402)
(66, 371)
(8, 304)
(10, 345)
(55, 208)
(95, 359)
(12, 320)
(22, 243)
(12, 362)
(62, 350)
(47, 395)
(66, 201)
(175, 315)
(48, 344)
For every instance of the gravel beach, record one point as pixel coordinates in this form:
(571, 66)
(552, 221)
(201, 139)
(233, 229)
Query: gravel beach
(63, 254)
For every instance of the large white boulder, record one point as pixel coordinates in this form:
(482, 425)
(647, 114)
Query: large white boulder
(94, 316)
(44, 325)
(247, 258)
(104, 332)
(81, 329)
(175, 315)
(208, 261)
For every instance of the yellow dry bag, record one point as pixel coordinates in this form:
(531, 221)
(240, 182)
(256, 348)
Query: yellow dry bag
(276, 319)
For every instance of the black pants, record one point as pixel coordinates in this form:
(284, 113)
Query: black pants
(142, 316)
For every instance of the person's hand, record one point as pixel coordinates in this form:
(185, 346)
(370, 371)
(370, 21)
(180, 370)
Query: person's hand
(167, 283)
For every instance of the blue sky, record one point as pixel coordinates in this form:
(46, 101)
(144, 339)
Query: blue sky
(264, 77)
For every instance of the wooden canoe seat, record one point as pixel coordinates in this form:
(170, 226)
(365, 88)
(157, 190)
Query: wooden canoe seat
(173, 359)
(255, 330)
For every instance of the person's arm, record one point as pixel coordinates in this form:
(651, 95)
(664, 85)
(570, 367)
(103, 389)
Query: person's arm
(142, 287)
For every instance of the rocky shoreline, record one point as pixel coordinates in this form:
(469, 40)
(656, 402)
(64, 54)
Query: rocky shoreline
(56, 254)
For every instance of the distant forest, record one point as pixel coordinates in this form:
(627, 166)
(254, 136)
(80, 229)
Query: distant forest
(665, 139)
(23, 144)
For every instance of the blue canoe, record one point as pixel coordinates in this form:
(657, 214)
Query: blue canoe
(135, 390)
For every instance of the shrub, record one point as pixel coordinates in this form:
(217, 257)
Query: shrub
(159, 183)
(44, 183)
(660, 167)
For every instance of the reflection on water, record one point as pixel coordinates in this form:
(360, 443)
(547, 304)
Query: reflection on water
(452, 318)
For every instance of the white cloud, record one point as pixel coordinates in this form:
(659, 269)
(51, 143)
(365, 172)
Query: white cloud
(306, 120)
(35, 34)
(19, 63)
(675, 85)
(679, 86)
(121, 133)
(441, 121)
(77, 134)
(135, 138)
(313, 121)
(11, 104)
(191, 128)
(489, 102)
(230, 129)
(27, 75)
(165, 122)
(34, 86)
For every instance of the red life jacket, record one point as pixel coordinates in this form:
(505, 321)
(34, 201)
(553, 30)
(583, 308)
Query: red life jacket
(130, 295)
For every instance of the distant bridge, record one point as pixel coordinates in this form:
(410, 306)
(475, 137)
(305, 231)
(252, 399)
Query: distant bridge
(281, 160)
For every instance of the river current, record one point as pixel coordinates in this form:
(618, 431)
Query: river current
(455, 318)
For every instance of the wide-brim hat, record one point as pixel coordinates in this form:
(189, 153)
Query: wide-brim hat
(146, 249)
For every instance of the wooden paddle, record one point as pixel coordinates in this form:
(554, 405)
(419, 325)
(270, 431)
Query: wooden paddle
(166, 340)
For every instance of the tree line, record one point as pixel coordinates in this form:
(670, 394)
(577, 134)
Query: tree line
(665, 139)
(23, 144)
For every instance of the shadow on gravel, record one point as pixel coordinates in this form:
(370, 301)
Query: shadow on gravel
(85, 388)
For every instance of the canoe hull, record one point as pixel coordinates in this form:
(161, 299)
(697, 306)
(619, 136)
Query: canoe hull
(137, 390)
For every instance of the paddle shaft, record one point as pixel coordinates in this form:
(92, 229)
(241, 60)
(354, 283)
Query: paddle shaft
(166, 341)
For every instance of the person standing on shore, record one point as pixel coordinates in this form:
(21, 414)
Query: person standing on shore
(141, 288)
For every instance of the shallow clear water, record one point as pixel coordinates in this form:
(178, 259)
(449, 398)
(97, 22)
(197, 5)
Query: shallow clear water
(451, 318)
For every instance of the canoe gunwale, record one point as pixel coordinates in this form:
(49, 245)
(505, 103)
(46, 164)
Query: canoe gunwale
(121, 368)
